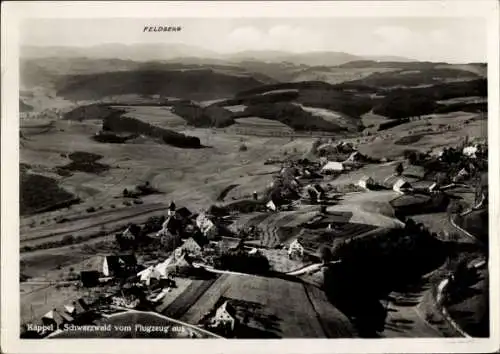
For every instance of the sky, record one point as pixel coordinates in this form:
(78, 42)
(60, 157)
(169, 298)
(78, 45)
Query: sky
(434, 39)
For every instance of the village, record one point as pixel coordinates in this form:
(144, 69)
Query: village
(298, 227)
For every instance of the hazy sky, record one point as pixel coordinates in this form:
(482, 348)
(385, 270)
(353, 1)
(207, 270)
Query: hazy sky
(434, 39)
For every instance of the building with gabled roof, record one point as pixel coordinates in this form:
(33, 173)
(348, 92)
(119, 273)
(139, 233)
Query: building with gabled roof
(295, 249)
(271, 206)
(401, 186)
(206, 226)
(366, 182)
(225, 316)
(184, 213)
(118, 264)
(190, 246)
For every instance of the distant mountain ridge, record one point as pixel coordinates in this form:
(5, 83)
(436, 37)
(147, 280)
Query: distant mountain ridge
(149, 52)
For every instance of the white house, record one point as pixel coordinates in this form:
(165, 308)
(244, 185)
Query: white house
(225, 315)
(69, 309)
(366, 182)
(295, 249)
(163, 269)
(333, 166)
(147, 274)
(470, 151)
(401, 185)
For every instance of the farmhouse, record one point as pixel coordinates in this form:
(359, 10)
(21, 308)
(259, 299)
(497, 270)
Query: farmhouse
(147, 274)
(366, 182)
(118, 265)
(401, 186)
(470, 151)
(206, 226)
(163, 269)
(225, 316)
(271, 206)
(189, 246)
(333, 166)
(295, 249)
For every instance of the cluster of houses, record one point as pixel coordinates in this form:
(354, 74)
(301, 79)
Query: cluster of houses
(180, 224)
(354, 160)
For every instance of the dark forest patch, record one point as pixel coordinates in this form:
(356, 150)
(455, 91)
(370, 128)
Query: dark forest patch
(40, 193)
(82, 161)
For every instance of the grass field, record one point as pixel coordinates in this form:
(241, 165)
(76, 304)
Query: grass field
(277, 308)
(196, 178)
(330, 116)
(260, 126)
(159, 116)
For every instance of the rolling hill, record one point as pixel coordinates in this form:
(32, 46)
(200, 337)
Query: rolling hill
(200, 85)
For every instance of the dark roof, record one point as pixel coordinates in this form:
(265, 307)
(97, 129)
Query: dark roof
(184, 212)
(171, 206)
(117, 262)
(89, 277)
(230, 309)
(319, 188)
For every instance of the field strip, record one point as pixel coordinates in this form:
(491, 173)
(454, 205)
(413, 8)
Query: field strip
(190, 296)
(318, 317)
(207, 301)
(92, 225)
(441, 289)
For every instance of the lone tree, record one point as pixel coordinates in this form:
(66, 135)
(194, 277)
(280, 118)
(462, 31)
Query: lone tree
(399, 169)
